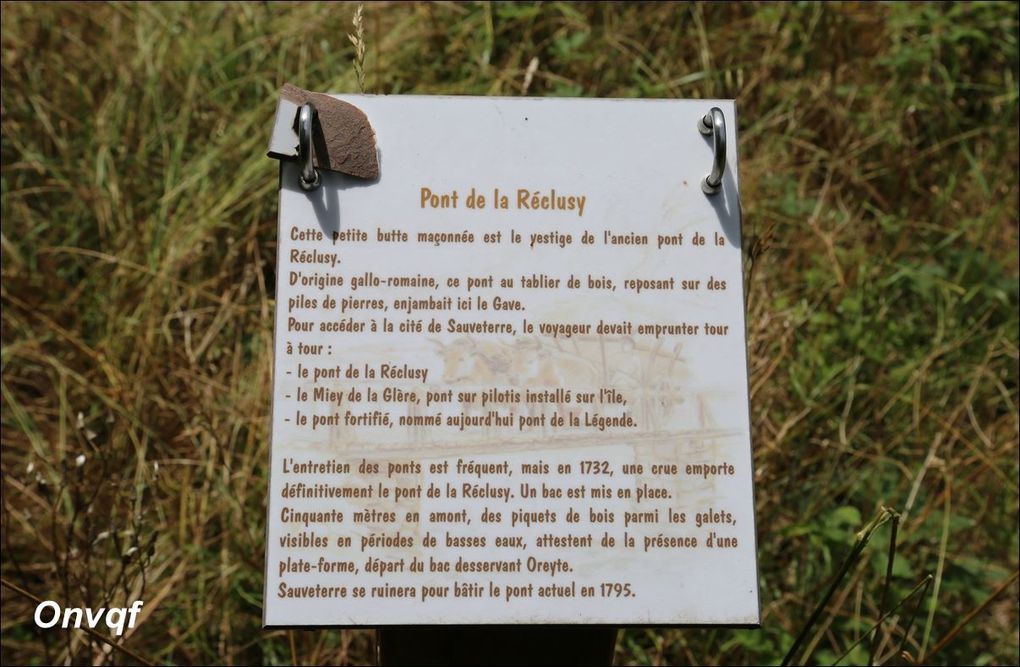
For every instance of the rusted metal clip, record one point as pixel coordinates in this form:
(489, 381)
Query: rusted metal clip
(323, 133)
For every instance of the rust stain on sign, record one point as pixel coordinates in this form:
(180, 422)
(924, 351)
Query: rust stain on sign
(343, 138)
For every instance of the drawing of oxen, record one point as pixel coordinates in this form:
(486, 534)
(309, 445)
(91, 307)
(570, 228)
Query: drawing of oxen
(539, 366)
(478, 365)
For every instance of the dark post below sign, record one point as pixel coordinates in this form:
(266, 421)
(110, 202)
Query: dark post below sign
(510, 406)
(503, 645)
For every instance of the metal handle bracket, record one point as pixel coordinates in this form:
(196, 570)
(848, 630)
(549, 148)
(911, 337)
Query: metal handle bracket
(714, 123)
(309, 178)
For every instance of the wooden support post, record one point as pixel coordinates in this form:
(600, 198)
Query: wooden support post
(497, 645)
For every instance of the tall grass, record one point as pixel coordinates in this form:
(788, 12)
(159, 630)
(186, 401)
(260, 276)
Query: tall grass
(879, 168)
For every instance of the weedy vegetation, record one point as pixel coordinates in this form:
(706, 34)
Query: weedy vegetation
(879, 166)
